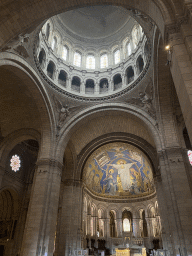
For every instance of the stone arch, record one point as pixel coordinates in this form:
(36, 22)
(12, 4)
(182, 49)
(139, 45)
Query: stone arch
(62, 78)
(51, 68)
(117, 81)
(103, 85)
(13, 139)
(32, 82)
(76, 83)
(89, 86)
(139, 64)
(42, 58)
(130, 74)
(96, 111)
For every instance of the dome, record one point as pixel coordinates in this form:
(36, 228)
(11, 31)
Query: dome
(94, 22)
(118, 170)
(93, 52)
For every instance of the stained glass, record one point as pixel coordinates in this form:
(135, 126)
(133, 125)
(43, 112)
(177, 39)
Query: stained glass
(104, 61)
(54, 43)
(129, 49)
(64, 53)
(117, 56)
(190, 156)
(126, 225)
(77, 59)
(90, 63)
(15, 163)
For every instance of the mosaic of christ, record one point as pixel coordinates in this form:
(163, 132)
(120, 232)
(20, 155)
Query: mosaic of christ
(119, 169)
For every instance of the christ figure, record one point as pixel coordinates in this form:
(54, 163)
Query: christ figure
(124, 172)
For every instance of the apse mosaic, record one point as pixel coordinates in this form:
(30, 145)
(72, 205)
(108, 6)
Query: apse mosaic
(118, 170)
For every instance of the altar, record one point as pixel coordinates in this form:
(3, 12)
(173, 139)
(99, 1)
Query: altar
(133, 251)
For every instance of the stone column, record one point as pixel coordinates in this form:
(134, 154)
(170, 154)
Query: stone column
(181, 70)
(83, 61)
(2, 171)
(82, 87)
(39, 233)
(123, 80)
(110, 59)
(70, 223)
(97, 62)
(55, 75)
(121, 53)
(96, 91)
(136, 229)
(119, 227)
(68, 83)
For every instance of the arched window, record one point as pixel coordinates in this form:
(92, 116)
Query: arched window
(62, 78)
(51, 69)
(47, 31)
(89, 86)
(75, 85)
(64, 53)
(127, 221)
(135, 36)
(130, 74)
(42, 58)
(126, 225)
(104, 61)
(117, 56)
(90, 62)
(128, 49)
(54, 43)
(103, 85)
(139, 64)
(117, 80)
(77, 59)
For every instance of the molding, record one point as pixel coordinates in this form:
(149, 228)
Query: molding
(49, 162)
(119, 200)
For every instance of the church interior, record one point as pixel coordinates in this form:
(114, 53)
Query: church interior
(96, 128)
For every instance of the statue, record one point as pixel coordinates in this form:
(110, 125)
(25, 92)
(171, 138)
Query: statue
(63, 111)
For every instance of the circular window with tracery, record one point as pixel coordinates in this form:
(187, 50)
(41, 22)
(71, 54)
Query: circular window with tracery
(15, 163)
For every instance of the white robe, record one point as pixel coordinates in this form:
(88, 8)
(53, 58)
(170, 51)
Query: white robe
(124, 172)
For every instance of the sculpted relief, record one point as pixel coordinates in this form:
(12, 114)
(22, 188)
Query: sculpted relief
(118, 170)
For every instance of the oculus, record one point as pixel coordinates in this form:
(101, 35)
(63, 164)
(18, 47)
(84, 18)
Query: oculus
(118, 170)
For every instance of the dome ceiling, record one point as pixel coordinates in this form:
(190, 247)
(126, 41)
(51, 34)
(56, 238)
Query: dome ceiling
(118, 170)
(96, 21)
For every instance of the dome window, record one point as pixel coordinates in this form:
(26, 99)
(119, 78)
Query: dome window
(129, 49)
(117, 56)
(54, 44)
(126, 225)
(77, 59)
(90, 62)
(47, 31)
(64, 53)
(104, 61)
(135, 36)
